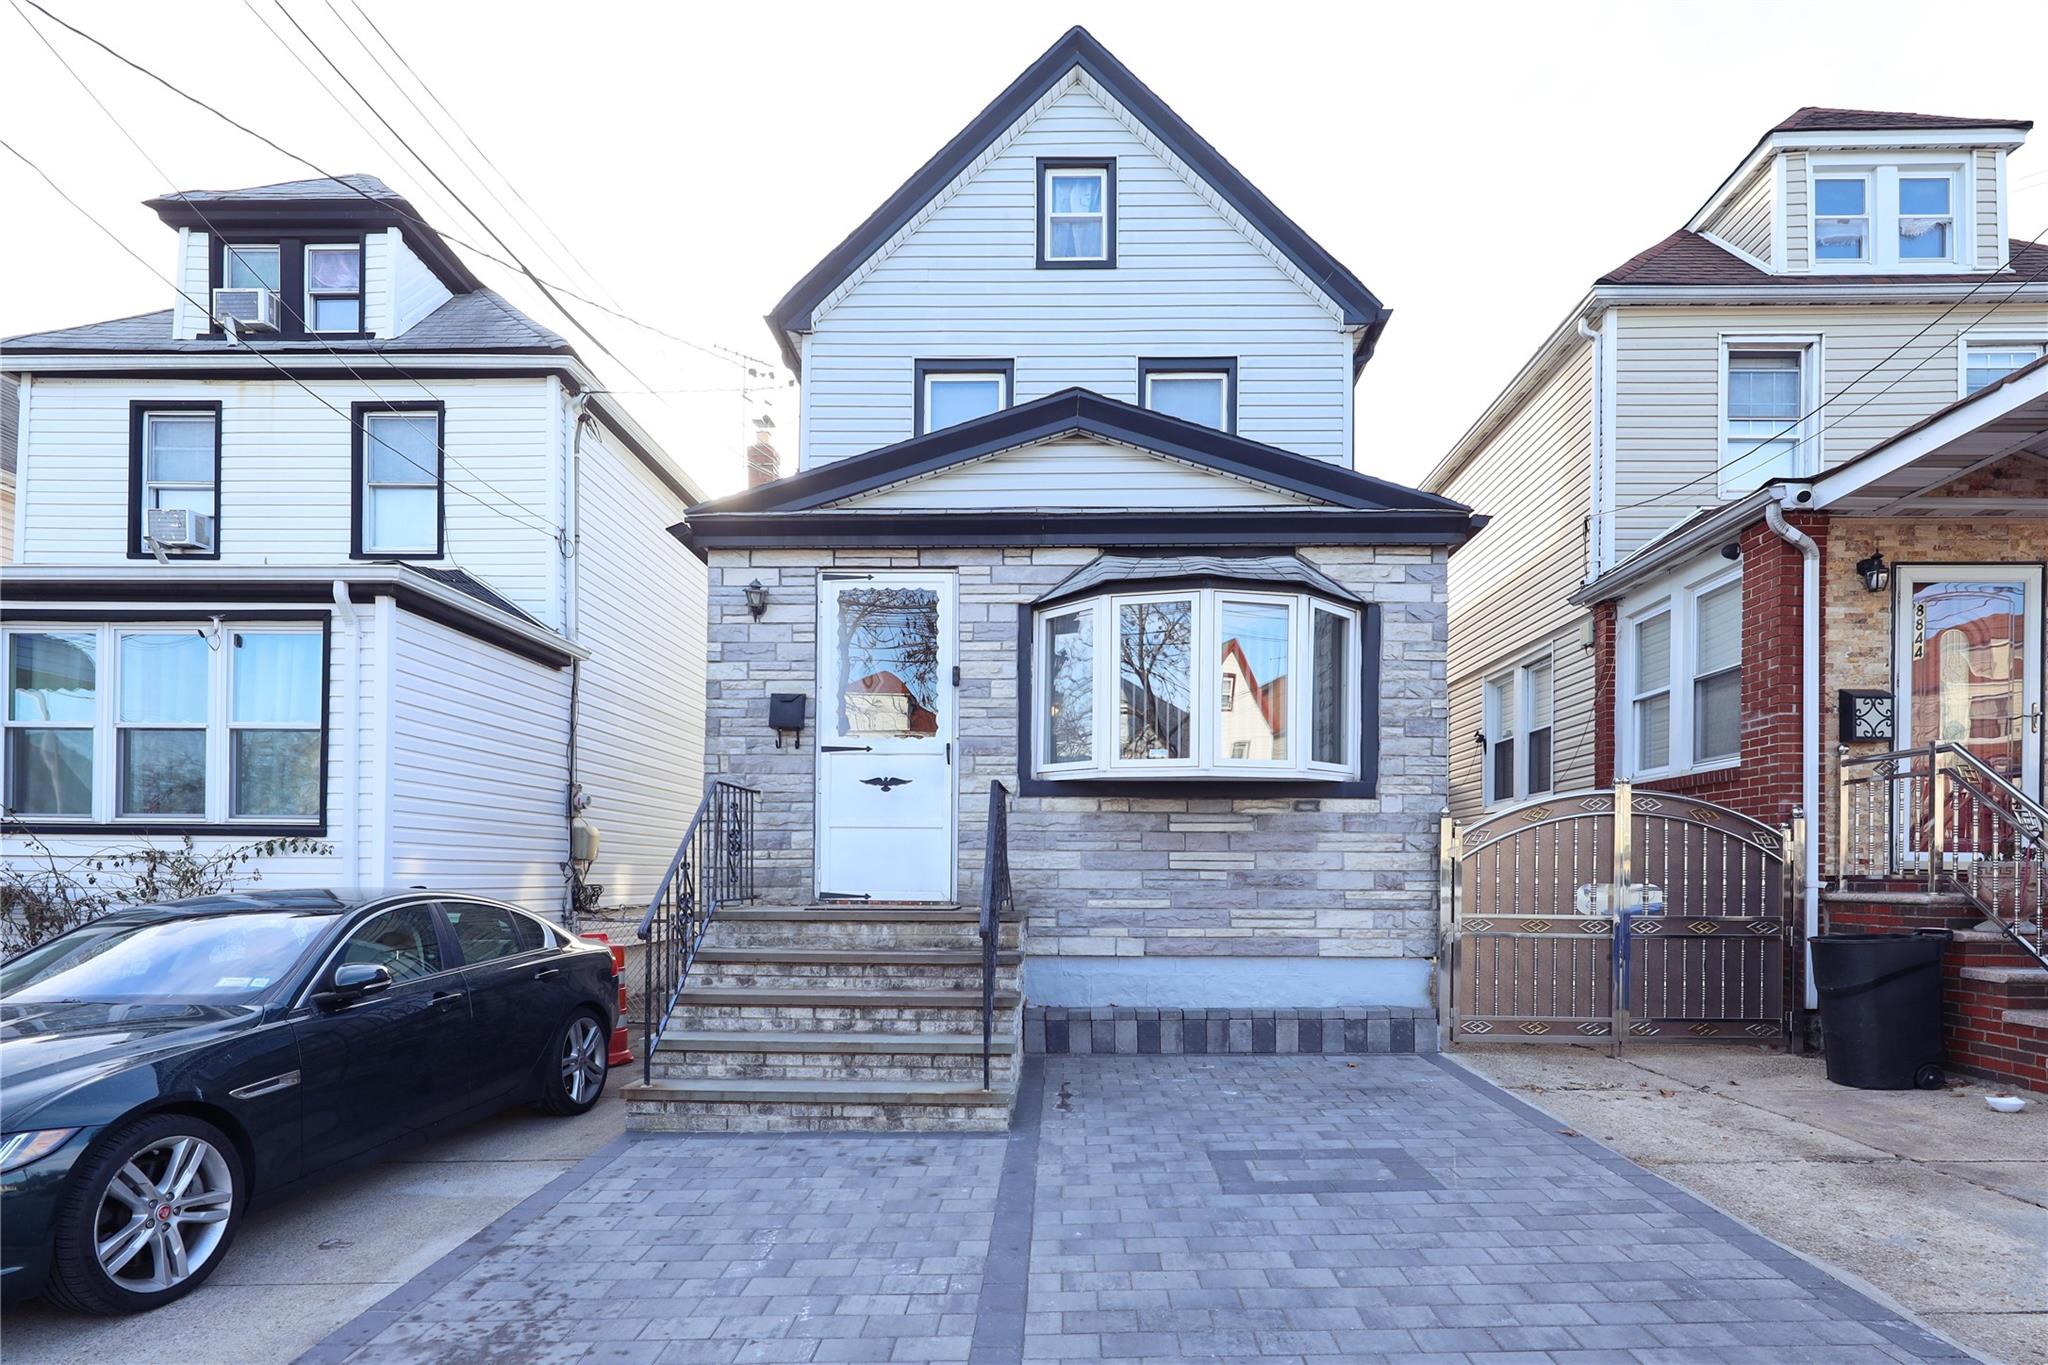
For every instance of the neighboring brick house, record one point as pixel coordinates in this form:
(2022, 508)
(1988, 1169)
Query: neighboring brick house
(1809, 426)
(1076, 464)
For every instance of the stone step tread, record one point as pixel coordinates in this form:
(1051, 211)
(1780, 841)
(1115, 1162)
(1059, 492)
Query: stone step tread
(855, 911)
(2028, 1018)
(817, 1092)
(880, 1044)
(2009, 976)
(838, 998)
(908, 957)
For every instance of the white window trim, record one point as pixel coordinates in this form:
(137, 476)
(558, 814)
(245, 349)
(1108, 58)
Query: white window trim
(220, 724)
(435, 479)
(1967, 342)
(1681, 601)
(1881, 171)
(1100, 174)
(1807, 454)
(933, 378)
(360, 293)
(1520, 677)
(1207, 752)
(1223, 394)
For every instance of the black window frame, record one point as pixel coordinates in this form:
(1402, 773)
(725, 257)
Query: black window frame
(306, 246)
(1106, 164)
(1224, 365)
(291, 244)
(138, 411)
(359, 414)
(921, 369)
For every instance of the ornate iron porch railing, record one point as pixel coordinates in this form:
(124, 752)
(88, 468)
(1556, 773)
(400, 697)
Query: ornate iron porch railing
(713, 866)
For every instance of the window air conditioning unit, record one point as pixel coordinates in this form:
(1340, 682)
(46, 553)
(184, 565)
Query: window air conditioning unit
(245, 310)
(180, 528)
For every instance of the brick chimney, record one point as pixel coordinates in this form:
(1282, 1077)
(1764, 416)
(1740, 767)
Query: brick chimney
(763, 464)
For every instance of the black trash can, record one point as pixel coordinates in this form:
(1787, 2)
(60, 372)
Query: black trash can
(1880, 1008)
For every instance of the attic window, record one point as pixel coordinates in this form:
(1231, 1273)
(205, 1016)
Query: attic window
(252, 267)
(334, 288)
(1076, 213)
(1909, 214)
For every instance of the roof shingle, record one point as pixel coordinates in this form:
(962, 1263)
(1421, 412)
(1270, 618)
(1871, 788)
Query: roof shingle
(1686, 258)
(322, 187)
(1815, 118)
(482, 321)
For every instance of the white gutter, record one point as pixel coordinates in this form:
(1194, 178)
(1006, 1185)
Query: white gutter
(345, 612)
(1809, 715)
(572, 519)
(1933, 289)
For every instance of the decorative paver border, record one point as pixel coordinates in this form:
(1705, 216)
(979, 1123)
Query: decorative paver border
(1233, 1169)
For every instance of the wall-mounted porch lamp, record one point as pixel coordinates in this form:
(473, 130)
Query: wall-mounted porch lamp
(1875, 573)
(757, 598)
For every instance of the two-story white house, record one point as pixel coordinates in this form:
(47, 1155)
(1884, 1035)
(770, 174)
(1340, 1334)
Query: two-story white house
(341, 545)
(1077, 512)
(1771, 503)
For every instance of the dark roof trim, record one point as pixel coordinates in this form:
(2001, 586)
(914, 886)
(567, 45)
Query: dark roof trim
(703, 533)
(1076, 411)
(199, 590)
(1077, 47)
(1184, 567)
(334, 209)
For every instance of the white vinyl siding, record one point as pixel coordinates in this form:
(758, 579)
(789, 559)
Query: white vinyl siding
(1073, 473)
(377, 282)
(285, 473)
(191, 314)
(1990, 243)
(415, 291)
(1798, 223)
(1744, 222)
(1187, 281)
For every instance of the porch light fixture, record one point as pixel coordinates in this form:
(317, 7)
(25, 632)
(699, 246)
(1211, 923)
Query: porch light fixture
(757, 598)
(1875, 573)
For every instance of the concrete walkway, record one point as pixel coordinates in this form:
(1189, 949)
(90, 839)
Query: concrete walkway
(1927, 1195)
(1142, 1209)
(302, 1268)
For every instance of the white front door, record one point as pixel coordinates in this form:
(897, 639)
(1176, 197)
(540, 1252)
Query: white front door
(887, 721)
(1969, 663)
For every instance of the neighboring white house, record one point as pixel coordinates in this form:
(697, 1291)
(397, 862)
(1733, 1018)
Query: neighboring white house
(375, 565)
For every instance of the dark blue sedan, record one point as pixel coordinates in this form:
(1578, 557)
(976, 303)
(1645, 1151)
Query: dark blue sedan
(163, 1066)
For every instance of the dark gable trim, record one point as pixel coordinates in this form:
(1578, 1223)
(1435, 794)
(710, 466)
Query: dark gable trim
(920, 368)
(1225, 365)
(1105, 164)
(136, 412)
(202, 592)
(316, 217)
(1364, 787)
(234, 829)
(1076, 47)
(358, 467)
(963, 530)
(1075, 411)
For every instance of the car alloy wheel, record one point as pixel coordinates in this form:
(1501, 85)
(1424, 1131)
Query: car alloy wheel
(164, 1214)
(583, 1059)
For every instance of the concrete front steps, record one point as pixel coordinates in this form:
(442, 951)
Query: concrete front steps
(837, 1018)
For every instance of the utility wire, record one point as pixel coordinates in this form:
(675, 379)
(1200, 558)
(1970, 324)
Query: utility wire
(295, 314)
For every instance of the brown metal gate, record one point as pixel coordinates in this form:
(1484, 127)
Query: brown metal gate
(1611, 914)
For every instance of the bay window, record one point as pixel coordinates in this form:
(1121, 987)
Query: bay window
(1681, 670)
(188, 724)
(1197, 682)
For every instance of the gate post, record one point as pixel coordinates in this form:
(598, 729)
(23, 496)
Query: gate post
(1939, 816)
(1446, 922)
(1793, 879)
(1624, 833)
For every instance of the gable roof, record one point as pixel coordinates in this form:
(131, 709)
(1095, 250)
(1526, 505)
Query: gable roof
(1077, 47)
(1816, 118)
(1353, 508)
(1686, 258)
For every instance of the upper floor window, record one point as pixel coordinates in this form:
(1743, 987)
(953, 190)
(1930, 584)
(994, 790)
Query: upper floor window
(1765, 412)
(399, 480)
(1682, 671)
(954, 391)
(174, 466)
(1986, 362)
(252, 267)
(1518, 714)
(1902, 216)
(1203, 391)
(1076, 212)
(334, 288)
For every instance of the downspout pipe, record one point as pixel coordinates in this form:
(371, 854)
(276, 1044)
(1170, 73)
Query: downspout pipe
(571, 589)
(1596, 531)
(1809, 712)
(345, 612)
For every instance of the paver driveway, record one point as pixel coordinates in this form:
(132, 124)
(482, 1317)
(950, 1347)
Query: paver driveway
(1155, 1208)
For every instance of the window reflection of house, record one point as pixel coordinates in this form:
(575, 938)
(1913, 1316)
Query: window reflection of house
(1259, 730)
(882, 704)
(1968, 676)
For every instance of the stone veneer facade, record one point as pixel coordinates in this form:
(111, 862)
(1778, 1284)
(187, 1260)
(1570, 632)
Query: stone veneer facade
(1326, 901)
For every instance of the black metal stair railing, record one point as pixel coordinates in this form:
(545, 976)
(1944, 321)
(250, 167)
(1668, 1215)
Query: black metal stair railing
(713, 866)
(996, 905)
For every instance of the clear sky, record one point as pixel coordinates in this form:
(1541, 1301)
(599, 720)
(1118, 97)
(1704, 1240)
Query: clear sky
(1477, 165)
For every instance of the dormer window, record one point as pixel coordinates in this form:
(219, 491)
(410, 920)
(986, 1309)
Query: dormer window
(1841, 225)
(1927, 222)
(1076, 213)
(1907, 215)
(252, 267)
(334, 288)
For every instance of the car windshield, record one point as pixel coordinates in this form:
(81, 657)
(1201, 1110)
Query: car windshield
(204, 959)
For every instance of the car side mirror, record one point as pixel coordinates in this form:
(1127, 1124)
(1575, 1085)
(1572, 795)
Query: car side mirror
(353, 981)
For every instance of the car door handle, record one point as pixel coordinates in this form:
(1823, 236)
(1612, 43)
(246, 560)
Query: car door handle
(546, 973)
(441, 997)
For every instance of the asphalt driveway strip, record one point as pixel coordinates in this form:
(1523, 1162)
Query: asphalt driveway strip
(1395, 1208)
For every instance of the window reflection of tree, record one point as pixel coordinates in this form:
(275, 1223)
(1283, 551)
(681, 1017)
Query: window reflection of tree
(1155, 646)
(887, 633)
(1072, 722)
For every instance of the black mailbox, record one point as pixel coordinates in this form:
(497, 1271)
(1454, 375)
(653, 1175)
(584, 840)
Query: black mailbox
(786, 715)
